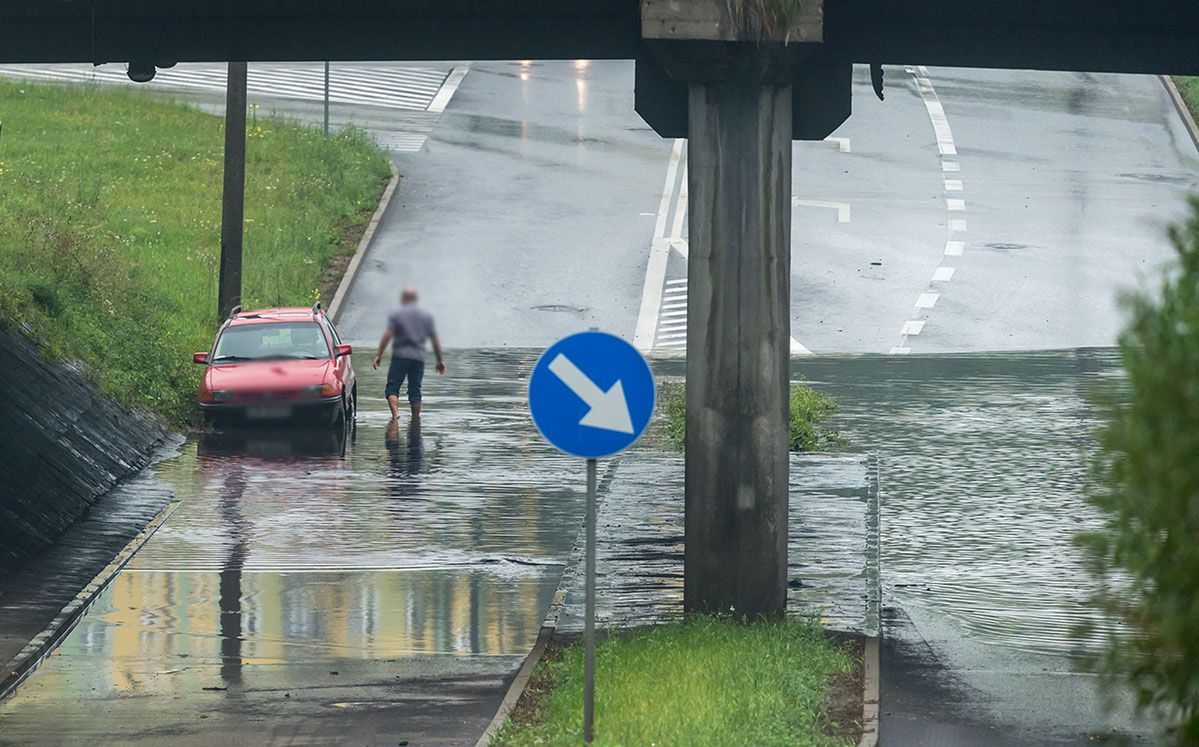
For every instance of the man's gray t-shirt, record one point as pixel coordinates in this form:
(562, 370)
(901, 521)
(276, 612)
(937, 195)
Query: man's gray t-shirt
(411, 327)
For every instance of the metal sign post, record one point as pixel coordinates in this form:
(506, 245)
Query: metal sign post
(589, 611)
(591, 395)
(326, 97)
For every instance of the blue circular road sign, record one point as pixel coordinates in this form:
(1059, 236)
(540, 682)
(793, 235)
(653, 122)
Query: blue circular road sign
(591, 394)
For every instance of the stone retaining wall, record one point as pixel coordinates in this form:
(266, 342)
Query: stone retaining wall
(61, 447)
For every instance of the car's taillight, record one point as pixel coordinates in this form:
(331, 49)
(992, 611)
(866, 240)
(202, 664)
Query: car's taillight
(329, 389)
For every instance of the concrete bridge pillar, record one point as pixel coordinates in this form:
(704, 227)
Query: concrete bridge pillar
(739, 70)
(738, 336)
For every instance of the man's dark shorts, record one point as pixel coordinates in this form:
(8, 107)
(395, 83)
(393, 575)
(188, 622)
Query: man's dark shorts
(400, 369)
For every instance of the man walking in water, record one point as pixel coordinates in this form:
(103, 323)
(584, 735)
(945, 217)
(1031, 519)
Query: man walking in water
(408, 329)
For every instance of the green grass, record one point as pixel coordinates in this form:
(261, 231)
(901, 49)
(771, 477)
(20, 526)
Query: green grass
(707, 681)
(1189, 88)
(110, 227)
(809, 427)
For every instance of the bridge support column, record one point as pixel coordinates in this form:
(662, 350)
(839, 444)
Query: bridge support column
(738, 351)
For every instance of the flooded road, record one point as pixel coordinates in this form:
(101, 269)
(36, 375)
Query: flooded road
(982, 467)
(307, 588)
(385, 586)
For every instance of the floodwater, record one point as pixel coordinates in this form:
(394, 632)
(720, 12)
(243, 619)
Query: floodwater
(386, 584)
(394, 577)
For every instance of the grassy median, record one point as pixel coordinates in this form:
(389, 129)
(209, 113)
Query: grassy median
(706, 681)
(1188, 86)
(110, 227)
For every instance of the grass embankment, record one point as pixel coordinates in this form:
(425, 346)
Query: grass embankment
(110, 209)
(809, 426)
(706, 681)
(1189, 88)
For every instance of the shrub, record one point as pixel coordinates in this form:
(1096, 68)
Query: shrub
(1146, 484)
(809, 408)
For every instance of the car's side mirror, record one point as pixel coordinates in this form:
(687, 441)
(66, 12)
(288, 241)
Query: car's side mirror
(199, 357)
(344, 350)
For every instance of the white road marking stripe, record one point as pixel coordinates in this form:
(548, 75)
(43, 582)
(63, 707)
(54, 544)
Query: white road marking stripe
(842, 208)
(680, 208)
(655, 269)
(446, 92)
(953, 205)
(677, 281)
(842, 143)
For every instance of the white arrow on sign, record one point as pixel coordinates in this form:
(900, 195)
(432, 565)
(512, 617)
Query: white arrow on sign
(609, 410)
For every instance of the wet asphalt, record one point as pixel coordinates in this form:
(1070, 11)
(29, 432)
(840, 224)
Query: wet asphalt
(384, 587)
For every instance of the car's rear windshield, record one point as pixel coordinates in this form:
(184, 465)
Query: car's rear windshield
(271, 341)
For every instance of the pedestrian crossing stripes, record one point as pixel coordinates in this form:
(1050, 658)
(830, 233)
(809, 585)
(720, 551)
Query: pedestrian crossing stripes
(416, 95)
(391, 86)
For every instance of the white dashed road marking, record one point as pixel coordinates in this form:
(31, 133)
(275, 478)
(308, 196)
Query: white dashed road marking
(955, 207)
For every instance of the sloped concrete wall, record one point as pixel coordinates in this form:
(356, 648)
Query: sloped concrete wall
(61, 446)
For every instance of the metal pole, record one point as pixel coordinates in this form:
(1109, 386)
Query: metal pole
(326, 97)
(233, 198)
(589, 618)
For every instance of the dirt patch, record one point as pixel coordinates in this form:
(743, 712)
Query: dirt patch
(844, 705)
(528, 708)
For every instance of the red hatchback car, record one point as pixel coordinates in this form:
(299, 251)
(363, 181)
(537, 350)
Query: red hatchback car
(277, 364)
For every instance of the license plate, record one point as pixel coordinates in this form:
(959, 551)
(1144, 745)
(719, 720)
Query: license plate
(262, 412)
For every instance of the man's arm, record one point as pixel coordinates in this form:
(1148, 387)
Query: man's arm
(437, 351)
(382, 346)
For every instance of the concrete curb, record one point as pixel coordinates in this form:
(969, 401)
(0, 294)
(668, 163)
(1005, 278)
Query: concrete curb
(870, 687)
(517, 688)
(44, 643)
(1183, 110)
(347, 280)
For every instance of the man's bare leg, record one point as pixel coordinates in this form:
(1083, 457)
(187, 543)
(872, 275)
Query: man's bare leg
(394, 403)
(415, 410)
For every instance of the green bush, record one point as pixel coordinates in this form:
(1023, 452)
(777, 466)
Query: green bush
(1147, 486)
(809, 428)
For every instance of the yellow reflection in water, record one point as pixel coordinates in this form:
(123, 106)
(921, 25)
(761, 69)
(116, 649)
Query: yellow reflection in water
(157, 632)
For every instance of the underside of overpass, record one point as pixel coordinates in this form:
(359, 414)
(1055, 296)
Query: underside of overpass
(736, 98)
(1145, 36)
